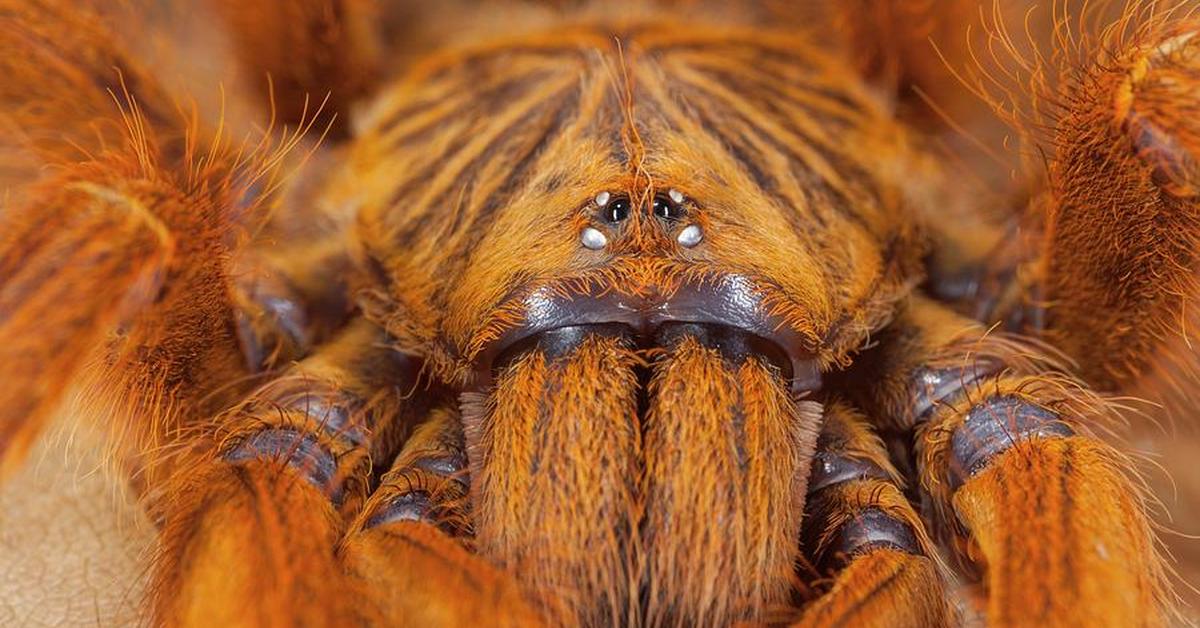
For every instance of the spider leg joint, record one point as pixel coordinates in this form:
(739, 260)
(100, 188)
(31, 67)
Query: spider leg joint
(300, 451)
(994, 426)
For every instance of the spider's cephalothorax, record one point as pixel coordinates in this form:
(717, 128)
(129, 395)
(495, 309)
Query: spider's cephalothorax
(642, 274)
(619, 319)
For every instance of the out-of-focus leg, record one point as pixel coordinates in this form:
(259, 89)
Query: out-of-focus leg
(105, 223)
(1122, 212)
(308, 49)
(116, 241)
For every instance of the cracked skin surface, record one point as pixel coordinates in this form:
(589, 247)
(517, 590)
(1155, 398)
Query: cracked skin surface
(73, 543)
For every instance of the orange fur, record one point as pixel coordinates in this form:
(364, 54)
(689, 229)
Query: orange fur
(87, 232)
(290, 50)
(413, 571)
(174, 274)
(553, 454)
(883, 588)
(1063, 537)
(723, 443)
(63, 70)
(345, 398)
(882, 584)
(456, 277)
(1130, 127)
(1048, 511)
(257, 537)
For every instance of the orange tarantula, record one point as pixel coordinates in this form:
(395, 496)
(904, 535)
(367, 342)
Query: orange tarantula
(666, 313)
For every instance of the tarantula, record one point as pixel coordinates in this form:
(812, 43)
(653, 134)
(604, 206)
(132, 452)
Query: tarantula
(675, 313)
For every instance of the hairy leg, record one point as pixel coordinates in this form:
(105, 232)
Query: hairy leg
(870, 556)
(112, 238)
(724, 441)
(1122, 212)
(129, 250)
(64, 70)
(1103, 263)
(297, 53)
(123, 257)
(84, 227)
(249, 533)
(407, 549)
(1047, 514)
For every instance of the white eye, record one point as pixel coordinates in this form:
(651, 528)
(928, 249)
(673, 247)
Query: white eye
(690, 236)
(675, 195)
(602, 198)
(593, 239)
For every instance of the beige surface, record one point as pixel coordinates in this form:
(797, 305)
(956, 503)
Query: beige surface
(72, 546)
(1172, 473)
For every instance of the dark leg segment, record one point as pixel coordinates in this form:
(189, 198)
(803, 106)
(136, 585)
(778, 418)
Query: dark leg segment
(256, 526)
(1048, 515)
(871, 561)
(403, 551)
(428, 480)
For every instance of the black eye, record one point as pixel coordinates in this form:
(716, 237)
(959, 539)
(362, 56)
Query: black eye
(616, 210)
(666, 209)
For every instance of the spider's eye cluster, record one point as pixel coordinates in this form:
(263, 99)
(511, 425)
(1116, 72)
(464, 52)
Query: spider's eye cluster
(614, 209)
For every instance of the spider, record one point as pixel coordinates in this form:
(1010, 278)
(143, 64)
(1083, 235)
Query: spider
(654, 314)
